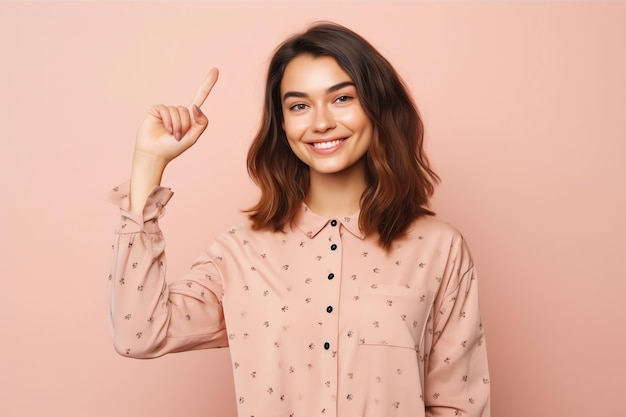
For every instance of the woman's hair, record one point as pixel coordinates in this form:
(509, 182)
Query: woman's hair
(399, 179)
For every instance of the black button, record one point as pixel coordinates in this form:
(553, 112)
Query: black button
(329, 309)
(326, 345)
(333, 222)
(333, 247)
(331, 276)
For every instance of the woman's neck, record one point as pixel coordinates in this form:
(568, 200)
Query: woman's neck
(338, 194)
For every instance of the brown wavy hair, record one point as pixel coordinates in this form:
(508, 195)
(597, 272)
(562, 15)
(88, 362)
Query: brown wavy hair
(399, 179)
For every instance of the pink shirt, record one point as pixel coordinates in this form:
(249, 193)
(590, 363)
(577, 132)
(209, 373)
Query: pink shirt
(320, 320)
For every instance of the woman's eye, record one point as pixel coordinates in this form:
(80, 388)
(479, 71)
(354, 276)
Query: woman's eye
(343, 99)
(298, 107)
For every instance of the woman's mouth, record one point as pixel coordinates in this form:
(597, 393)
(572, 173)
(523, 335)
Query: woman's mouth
(327, 145)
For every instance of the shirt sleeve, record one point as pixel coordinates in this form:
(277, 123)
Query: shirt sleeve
(457, 375)
(149, 318)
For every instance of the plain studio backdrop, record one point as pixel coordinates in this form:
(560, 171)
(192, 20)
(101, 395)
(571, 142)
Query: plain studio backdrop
(524, 105)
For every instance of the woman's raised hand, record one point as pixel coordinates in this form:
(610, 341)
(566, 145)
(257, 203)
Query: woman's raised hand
(165, 133)
(168, 131)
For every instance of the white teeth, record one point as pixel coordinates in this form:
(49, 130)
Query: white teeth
(326, 145)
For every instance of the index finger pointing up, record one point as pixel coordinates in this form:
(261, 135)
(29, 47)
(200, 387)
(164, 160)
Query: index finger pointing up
(206, 87)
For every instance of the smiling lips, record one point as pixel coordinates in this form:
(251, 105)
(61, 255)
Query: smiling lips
(327, 145)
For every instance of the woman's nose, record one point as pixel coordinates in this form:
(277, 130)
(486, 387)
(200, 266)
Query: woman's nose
(324, 120)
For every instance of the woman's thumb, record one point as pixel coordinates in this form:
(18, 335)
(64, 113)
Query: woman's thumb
(199, 117)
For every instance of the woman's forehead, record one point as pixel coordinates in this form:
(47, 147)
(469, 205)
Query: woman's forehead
(313, 74)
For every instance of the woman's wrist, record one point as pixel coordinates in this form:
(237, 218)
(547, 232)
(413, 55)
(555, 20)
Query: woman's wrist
(146, 173)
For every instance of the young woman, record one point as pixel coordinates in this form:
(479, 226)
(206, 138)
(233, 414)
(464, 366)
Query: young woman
(342, 295)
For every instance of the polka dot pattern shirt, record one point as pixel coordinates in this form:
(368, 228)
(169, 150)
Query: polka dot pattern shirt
(320, 321)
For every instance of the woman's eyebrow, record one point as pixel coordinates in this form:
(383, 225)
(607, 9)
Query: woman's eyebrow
(328, 90)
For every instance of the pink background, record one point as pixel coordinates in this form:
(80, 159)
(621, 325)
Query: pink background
(525, 109)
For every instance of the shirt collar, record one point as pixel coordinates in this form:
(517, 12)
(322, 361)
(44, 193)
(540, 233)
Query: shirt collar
(311, 223)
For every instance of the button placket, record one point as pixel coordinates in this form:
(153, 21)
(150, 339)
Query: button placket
(331, 300)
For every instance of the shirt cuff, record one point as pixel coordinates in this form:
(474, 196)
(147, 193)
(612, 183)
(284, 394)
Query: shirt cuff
(153, 208)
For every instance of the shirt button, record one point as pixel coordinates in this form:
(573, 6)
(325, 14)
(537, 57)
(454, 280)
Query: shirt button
(331, 276)
(329, 309)
(326, 345)
(333, 247)
(333, 222)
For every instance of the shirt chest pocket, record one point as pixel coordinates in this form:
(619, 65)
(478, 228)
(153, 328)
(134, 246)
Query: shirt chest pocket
(393, 315)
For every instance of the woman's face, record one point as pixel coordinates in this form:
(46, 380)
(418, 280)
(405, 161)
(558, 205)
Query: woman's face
(323, 119)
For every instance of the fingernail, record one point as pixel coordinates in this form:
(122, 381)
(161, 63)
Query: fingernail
(177, 136)
(196, 111)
